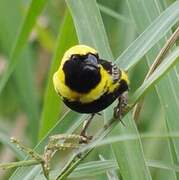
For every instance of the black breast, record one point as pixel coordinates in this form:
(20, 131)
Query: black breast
(79, 77)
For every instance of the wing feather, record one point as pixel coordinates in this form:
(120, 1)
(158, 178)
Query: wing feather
(112, 69)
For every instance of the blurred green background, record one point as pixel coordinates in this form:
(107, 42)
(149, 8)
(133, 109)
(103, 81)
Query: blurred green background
(29, 106)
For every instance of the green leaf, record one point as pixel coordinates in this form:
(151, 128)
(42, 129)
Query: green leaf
(63, 124)
(111, 173)
(5, 140)
(93, 168)
(89, 33)
(160, 72)
(162, 165)
(66, 125)
(23, 81)
(130, 137)
(69, 122)
(99, 167)
(167, 88)
(113, 14)
(148, 38)
(129, 154)
(89, 26)
(26, 92)
(89, 169)
(51, 115)
(33, 12)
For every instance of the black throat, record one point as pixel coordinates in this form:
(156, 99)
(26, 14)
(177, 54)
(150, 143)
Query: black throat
(80, 79)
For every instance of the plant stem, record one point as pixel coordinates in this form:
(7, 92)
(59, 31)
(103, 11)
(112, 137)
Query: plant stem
(77, 157)
(18, 164)
(164, 51)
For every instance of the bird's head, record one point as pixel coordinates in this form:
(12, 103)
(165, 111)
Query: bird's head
(81, 68)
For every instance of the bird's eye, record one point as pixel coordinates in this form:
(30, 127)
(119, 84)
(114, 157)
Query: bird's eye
(74, 57)
(92, 59)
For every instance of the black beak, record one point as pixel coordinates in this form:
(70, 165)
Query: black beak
(90, 67)
(92, 61)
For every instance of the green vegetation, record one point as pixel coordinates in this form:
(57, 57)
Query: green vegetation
(33, 37)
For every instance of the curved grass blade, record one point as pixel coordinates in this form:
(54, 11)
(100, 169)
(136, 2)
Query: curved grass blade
(160, 72)
(130, 137)
(133, 54)
(50, 115)
(110, 173)
(93, 168)
(100, 167)
(23, 81)
(26, 91)
(33, 12)
(153, 80)
(129, 154)
(85, 25)
(5, 140)
(89, 27)
(167, 89)
(162, 165)
(66, 125)
(113, 14)
(87, 169)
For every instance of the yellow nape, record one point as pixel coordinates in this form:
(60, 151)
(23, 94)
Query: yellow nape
(77, 49)
(124, 76)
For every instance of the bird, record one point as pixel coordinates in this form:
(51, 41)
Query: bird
(89, 84)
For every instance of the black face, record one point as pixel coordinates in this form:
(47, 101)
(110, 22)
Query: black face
(82, 73)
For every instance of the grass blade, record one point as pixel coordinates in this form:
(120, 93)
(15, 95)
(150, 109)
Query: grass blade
(64, 125)
(113, 14)
(99, 167)
(160, 72)
(85, 26)
(27, 93)
(149, 37)
(150, 10)
(5, 140)
(129, 154)
(84, 170)
(162, 165)
(23, 81)
(90, 29)
(50, 115)
(33, 12)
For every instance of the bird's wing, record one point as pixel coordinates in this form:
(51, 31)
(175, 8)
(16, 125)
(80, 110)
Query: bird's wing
(112, 69)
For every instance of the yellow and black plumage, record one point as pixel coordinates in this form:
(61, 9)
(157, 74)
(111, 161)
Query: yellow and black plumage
(87, 83)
